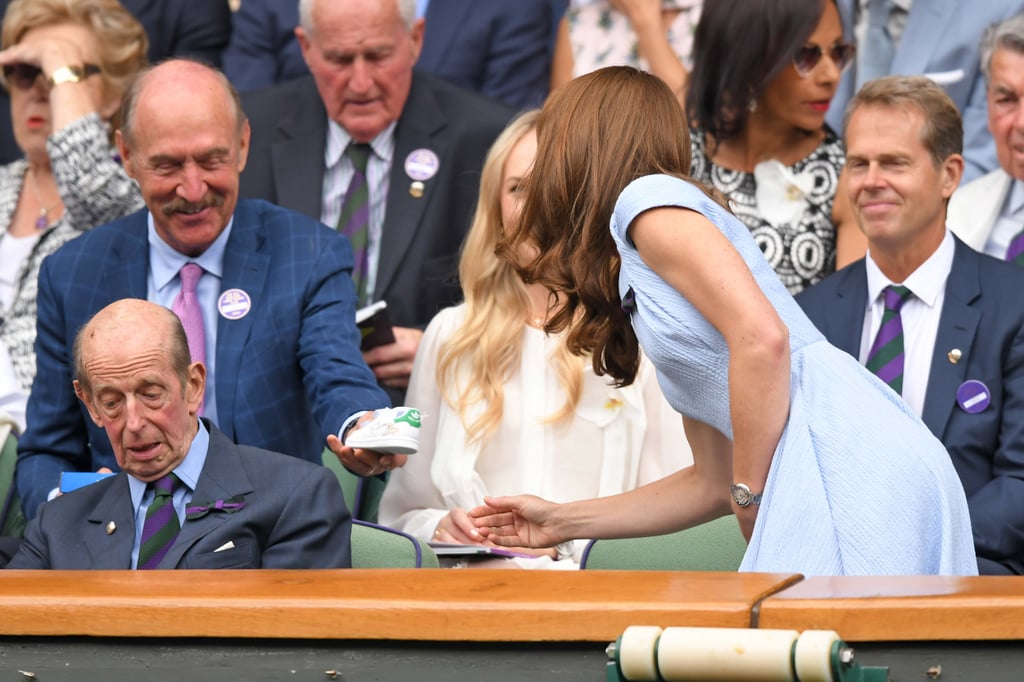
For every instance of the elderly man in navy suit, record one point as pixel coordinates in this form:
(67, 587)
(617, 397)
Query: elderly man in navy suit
(270, 293)
(940, 323)
(186, 497)
(415, 143)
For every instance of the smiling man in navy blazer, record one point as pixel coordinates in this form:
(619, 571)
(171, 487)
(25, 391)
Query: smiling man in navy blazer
(276, 296)
(233, 506)
(963, 325)
(427, 141)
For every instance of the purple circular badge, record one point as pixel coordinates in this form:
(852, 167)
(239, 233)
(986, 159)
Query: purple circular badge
(234, 304)
(973, 396)
(422, 164)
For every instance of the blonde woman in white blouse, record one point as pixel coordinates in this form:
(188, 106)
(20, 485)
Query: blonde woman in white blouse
(507, 408)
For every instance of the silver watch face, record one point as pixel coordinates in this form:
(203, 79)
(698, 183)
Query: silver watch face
(742, 495)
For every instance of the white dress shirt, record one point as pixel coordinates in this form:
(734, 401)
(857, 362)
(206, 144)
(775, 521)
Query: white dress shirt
(919, 315)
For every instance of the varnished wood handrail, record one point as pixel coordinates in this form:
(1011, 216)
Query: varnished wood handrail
(903, 608)
(456, 605)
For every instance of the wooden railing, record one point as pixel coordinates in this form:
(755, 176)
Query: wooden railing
(498, 606)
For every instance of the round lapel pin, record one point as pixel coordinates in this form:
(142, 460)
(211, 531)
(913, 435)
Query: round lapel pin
(973, 396)
(416, 189)
(954, 355)
(234, 304)
(111, 527)
(422, 164)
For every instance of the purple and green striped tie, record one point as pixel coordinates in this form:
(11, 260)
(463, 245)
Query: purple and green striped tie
(354, 221)
(161, 527)
(1015, 252)
(885, 358)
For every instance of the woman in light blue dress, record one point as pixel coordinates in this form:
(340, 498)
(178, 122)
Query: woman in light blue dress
(825, 468)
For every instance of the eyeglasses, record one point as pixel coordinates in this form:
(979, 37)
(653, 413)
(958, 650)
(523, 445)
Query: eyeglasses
(23, 76)
(808, 56)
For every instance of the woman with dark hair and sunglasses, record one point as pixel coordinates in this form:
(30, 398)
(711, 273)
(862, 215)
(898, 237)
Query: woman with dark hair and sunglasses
(764, 74)
(66, 64)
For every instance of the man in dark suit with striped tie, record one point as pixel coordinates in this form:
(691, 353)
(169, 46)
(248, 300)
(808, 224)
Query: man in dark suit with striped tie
(186, 497)
(938, 322)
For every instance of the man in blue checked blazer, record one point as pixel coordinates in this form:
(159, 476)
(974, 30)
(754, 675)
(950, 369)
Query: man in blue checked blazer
(276, 296)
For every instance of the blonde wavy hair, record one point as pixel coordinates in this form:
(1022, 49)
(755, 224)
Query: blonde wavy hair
(475, 362)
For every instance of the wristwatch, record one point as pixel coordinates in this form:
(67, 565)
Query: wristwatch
(72, 73)
(742, 496)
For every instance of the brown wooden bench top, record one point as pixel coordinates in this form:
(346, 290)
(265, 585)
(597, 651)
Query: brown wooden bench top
(456, 605)
(902, 608)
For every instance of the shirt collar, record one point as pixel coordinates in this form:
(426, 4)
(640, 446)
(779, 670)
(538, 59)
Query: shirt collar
(926, 282)
(1014, 206)
(383, 145)
(188, 469)
(165, 262)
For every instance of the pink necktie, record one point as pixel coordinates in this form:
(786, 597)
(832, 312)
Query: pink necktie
(186, 307)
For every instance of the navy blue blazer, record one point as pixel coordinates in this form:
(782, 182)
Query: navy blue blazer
(983, 317)
(294, 517)
(288, 373)
(500, 49)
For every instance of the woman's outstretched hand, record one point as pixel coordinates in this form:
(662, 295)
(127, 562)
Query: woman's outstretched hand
(518, 521)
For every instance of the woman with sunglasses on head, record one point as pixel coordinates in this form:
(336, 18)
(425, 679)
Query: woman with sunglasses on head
(764, 74)
(66, 64)
(826, 468)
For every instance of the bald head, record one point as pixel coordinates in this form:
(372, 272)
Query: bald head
(135, 379)
(145, 326)
(178, 80)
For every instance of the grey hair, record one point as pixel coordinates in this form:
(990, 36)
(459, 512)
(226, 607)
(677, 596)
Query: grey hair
(406, 9)
(1008, 35)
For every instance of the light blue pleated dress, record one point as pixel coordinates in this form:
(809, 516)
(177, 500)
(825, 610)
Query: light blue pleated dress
(858, 484)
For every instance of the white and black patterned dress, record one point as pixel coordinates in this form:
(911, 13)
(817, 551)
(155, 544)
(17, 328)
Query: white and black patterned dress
(94, 189)
(796, 234)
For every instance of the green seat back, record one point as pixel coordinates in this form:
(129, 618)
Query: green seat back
(12, 520)
(376, 546)
(362, 495)
(713, 546)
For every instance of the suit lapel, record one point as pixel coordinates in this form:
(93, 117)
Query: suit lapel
(846, 323)
(246, 263)
(924, 23)
(404, 212)
(111, 550)
(957, 327)
(301, 134)
(126, 277)
(223, 476)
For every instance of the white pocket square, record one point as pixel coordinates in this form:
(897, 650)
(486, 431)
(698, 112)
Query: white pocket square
(946, 77)
(230, 544)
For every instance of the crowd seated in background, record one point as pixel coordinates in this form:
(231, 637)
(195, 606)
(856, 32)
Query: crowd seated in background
(499, 49)
(934, 38)
(265, 293)
(389, 156)
(65, 64)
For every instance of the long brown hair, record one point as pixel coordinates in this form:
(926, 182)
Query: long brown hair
(595, 135)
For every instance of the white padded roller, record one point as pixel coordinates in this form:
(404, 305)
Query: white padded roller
(712, 654)
(812, 658)
(636, 652)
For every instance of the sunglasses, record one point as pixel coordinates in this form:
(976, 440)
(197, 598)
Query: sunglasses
(23, 76)
(808, 56)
